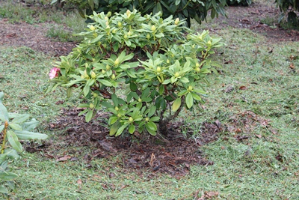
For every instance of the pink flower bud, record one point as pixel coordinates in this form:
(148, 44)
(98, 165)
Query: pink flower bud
(54, 72)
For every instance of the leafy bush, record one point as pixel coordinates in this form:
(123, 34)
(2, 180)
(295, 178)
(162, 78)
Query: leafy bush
(290, 7)
(13, 128)
(142, 69)
(182, 9)
(239, 2)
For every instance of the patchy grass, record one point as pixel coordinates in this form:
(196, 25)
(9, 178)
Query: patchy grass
(67, 23)
(24, 77)
(256, 156)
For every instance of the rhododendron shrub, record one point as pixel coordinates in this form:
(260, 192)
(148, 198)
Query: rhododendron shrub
(143, 70)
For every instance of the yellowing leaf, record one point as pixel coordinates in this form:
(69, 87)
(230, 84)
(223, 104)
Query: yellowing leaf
(176, 104)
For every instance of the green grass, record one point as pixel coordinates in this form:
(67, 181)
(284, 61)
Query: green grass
(247, 169)
(66, 24)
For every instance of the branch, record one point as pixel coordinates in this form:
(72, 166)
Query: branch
(171, 117)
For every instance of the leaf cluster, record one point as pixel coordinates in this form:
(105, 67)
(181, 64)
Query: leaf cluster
(142, 69)
(13, 128)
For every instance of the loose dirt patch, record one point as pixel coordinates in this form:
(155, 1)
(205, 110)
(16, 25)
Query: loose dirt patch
(33, 36)
(172, 155)
(252, 17)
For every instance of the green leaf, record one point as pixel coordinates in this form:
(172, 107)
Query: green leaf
(86, 90)
(105, 82)
(89, 115)
(132, 129)
(176, 104)
(184, 80)
(3, 112)
(69, 92)
(133, 86)
(112, 120)
(177, 2)
(167, 81)
(7, 176)
(83, 112)
(97, 39)
(27, 135)
(183, 92)
(196, 96)
(114, 99)
(3, 189)
(189, 100)
(14, 141)
(152, 111)
(155, 119)
(121, 129)
(114, 128)
(16, 127)
(19, 119)
(151, 127)
(131, 73)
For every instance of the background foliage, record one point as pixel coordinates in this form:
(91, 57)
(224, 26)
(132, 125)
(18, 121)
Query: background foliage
(182, 9)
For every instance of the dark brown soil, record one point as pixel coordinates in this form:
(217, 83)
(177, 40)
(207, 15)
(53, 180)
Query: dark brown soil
(253, 16)
(172, 155)
(33, 36)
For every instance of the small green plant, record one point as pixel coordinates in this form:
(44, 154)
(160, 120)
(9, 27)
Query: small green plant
(142, 69)
(13, 128)
(182, 9)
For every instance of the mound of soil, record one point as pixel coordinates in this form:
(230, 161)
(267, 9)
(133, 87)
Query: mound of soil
(172, 155)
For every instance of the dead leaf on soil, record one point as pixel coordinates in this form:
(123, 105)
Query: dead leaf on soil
(79, 182)
(292, 66)
(229, 89)
(64, 158)
(123, 187)
(59, 102)
(207, 195)
(242, 87)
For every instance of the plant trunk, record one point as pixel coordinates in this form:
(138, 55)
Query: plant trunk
(163, 130)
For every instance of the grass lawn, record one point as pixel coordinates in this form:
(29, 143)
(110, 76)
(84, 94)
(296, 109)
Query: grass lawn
(256, 95)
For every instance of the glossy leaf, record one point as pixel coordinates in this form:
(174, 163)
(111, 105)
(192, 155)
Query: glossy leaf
(27, 135)
(132, 129)
(189, 100)
(16, 127)
(89, 116)
(121, 129)
(14, 141)
(176, 104)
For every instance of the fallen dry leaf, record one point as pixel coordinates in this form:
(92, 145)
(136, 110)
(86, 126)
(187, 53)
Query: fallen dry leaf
(64, 158)
(292, 66)
(79, 182)
(242, 87)
(209, 195)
